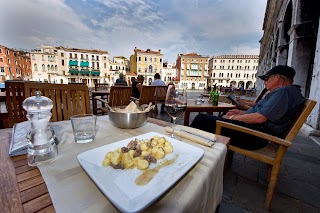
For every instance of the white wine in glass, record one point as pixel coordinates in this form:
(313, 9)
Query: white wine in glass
(176, 104)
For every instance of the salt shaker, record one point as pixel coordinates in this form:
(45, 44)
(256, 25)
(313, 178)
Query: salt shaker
(42, 147)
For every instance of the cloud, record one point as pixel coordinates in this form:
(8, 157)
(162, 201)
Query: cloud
(175, 26)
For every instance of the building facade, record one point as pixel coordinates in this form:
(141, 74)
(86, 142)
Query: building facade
(291, 37)
(118, 65)
(14, 64)
(70, 65)
(235, 71)
(146, 63)
(169, 72)
(192, 70)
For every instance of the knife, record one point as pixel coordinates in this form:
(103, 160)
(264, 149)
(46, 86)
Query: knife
(195, 134)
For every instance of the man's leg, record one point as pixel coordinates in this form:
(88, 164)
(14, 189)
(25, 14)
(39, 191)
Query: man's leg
(245, 141)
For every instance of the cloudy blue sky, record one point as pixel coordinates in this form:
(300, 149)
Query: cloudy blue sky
(207, 27)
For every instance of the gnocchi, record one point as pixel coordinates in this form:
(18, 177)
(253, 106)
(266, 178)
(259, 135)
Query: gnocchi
(138, 153)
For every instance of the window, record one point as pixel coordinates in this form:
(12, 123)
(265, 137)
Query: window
(35, 67)
(160, 60)
(139, 59)
(56, 68)
(7, 52)
(62, 62)
(43, 68)
(62, 54)
(1, 59)
(98, 65)
(70, 55)
(0, 50)
(2, 68)
(145, 59)
(8, 60)
(42, 57)
(75, 55)
(48, 67)
(97, 57)
(105, 65)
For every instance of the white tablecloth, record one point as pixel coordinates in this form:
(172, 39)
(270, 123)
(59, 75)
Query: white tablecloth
(72, 190)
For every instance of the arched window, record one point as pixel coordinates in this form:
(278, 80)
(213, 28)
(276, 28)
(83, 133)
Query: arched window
(43, 68)
(56, 68)
(52, 67)
(48, 67)
(35, 67)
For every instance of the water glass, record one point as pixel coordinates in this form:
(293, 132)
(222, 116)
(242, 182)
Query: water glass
(84, 127)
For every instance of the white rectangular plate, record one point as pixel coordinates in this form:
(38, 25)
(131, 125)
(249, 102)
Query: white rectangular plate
(119, 186)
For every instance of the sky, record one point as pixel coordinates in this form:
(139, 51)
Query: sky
(207, 27)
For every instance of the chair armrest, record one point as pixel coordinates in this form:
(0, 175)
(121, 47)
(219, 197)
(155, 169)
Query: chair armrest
(99, 99)
(134, 99)
(220, 124)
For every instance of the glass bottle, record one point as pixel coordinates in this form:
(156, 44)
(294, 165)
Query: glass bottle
(42, 142)
(216, 97)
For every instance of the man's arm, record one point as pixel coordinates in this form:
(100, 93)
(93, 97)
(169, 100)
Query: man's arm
(253, 118)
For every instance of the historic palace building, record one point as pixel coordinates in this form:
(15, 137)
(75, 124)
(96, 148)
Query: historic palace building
(14, 64)
(120, 64)
(169, 72)
(146, 63)
(238, 71)
(70, 65)
(192, 70)
(291, 37)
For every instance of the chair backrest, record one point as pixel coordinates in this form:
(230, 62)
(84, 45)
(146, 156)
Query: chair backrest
(305, 111)
(68, 99)
(147, 95)
(161, 93)
(120, 84)
(101, 86)
(15, 95)
(120, 95)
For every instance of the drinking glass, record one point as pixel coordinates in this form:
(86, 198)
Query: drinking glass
(175, 104)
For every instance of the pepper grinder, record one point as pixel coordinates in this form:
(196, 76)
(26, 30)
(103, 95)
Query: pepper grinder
(42, 142)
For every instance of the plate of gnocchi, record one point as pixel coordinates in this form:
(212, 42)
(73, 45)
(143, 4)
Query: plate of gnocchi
(135, 172)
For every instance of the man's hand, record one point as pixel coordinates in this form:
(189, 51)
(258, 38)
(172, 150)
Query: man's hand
(234, 112)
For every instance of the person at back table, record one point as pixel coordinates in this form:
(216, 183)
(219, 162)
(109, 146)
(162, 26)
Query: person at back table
(121, 80)
(158, 82)
(137, 86)
(273, 115)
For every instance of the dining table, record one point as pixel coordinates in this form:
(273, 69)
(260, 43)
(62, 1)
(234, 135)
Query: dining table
(64, 186)
(205, 106)
(100, 93)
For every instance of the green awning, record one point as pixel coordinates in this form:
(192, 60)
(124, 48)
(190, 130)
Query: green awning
(95, 72)
(74, 71)
(73, 63)
(90, 72)
(84, 64)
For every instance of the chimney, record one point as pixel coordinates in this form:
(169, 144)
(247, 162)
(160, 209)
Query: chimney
(159, 51)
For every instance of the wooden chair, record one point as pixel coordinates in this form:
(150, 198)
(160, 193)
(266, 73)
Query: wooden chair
(160, 96)
(15, 95)
(121, 84)
(101, 86)
(273, 153)
(146, 96)
(68, 99)
(119, 96)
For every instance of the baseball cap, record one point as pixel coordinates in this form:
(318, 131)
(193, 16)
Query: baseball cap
(281, 70)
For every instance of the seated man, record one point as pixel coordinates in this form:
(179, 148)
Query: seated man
(274, 114)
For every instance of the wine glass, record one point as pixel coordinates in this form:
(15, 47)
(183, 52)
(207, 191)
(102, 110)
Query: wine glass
(175, 104)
